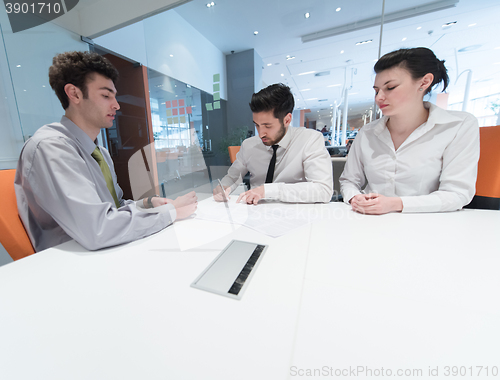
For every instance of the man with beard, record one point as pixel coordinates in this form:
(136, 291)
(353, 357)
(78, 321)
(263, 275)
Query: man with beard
(285, 163)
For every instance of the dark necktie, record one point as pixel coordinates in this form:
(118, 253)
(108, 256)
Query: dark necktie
(97, 155)
(272, 164)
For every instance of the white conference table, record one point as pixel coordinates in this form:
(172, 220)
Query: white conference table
(392, 292)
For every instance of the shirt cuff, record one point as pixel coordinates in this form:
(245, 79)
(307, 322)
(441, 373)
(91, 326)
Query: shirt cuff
(349, 194)
(271, 191)
(170, 208)
(422, 203)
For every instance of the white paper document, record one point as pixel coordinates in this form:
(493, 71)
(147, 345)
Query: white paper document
(272, 219)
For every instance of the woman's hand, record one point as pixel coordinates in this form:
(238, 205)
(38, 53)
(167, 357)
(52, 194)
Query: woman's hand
(375, 204)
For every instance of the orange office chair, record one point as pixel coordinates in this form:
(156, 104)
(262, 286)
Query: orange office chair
(232, 152)
(13, 236)
(488, 171)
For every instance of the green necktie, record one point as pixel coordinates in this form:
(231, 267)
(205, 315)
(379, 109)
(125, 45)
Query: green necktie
(97, 155)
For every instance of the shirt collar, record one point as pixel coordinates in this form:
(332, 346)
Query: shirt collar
(437, 115)
(83, 139)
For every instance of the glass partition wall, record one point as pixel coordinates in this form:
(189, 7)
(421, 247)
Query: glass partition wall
(181, 130)
(331, 74)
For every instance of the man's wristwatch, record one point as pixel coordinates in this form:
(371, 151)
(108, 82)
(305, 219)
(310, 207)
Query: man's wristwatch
(148, 201)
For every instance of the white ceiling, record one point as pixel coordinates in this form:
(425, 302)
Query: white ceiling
(230, 26)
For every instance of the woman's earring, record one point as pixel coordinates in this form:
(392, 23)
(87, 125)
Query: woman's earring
(420, 89)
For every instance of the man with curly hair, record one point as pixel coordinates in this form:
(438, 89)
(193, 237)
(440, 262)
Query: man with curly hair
(65, 184)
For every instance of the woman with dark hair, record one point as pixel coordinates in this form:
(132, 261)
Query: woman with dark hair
(418, 157)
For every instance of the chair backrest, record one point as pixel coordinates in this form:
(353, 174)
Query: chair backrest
(488, 170)
(232, 152)
(13, 236)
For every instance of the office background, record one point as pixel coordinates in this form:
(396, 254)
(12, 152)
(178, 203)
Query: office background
(196, 65)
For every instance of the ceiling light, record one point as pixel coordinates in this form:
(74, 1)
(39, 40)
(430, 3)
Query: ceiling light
(469, 48)
(171, 55)
(419, 28)
(404, 39)
(210, 5)
(308, 72)
(333, 85)
(289, 57)
(496, 63)
(498, 47)
(338, 9)
(282, 75)
(472, 24)
(255, 33)
(341, 52)
(375, 21)
(18, 66)
(307, 15)
(305, 89)
(449, 24)
(312, 99)
(269, 64)
(363, 42)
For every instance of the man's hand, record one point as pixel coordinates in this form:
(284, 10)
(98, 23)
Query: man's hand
(375, 204)
(252, 196)
(218, 193)
(185, 205)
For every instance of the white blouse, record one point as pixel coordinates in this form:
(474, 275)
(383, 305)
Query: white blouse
(433, 170)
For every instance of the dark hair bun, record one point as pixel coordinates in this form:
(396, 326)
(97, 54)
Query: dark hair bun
(419, 62)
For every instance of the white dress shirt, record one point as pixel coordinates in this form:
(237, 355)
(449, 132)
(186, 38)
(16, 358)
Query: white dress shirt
(303, 171)
(433, 170)
(62, 194)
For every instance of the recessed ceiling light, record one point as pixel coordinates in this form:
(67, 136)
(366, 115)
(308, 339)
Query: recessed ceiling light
(333, 85)
(307, 72)
(307, 15)
(469, 48)
(255, 33)
(472, 24)
(305, 89)
(404, 39)
(449, 24)
(43, 86)
(269, 64)
(171, 55)
(282, 75)
(289, 57)
(312, 99)
(341, 52)
(338, 9)
(210, 5)
(363, 42)
(419, 28)
(18, 66)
